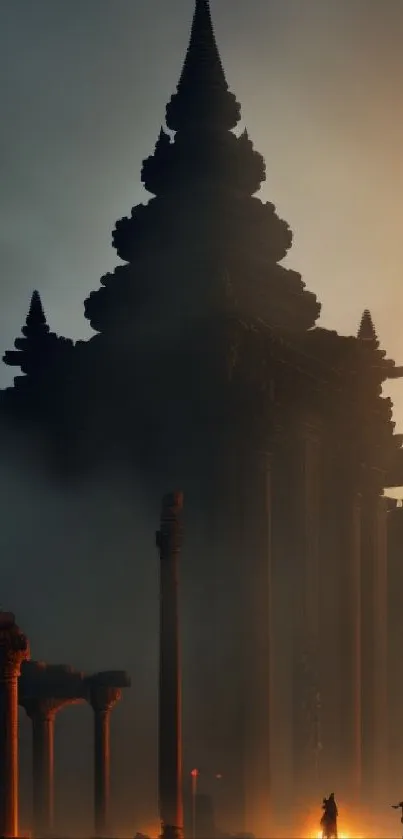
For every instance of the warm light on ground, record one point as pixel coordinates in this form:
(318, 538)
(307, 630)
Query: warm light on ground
(340, 835)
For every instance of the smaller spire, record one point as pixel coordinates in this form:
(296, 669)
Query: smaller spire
(366, 331)
(36, 318)
(163, 139)
(31, 350)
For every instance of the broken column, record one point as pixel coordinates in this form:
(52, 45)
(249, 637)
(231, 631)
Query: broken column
(169, 539)
(14, 649)
(104, 692)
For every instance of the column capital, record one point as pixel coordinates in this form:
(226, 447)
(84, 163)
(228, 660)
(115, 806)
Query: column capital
(103, 698)
(43, 709)
(169, 536)
(14, 648)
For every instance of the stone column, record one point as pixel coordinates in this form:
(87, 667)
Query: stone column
(102, 700)
(254, 534)
(305, 581)
(375, 646)
(42, 713)
(380, 677)
(169, 539)
(43, 770)
(14, 649)
(351, 636)
(341, 624)
(283, 561)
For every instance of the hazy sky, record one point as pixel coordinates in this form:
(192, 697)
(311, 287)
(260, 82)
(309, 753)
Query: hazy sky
(84, 87)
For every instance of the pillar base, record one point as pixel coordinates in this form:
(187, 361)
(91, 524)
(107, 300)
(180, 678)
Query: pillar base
(169, 832)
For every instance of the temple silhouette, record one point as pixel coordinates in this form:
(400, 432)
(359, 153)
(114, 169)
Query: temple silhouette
(207, 371)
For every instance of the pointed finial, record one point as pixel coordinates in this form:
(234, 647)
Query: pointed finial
(366, 331)
(36, 303)
(244, 137)
(36, 316)
(202, 93)
(163, 138)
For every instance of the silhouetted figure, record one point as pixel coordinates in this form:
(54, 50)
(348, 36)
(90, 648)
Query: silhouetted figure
(329, 818)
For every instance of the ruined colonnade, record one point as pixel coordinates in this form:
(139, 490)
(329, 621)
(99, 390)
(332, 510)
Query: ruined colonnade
(43, 690)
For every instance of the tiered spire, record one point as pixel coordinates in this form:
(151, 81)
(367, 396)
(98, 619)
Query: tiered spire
(35, 341)
(39, 348)
(367, 334)
(202, 97)
(366, 330)
(205, 213)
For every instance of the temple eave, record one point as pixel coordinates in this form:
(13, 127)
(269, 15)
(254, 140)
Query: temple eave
(395, 373)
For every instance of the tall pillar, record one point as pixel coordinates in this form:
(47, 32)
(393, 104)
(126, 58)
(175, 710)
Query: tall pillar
(340, 626)
(169, 539)
(43, 771)
(380, 676)
(283, 560)
(255, 620)
(102, 699)
(305, 580)
(42, 713)
(351, 637)
(14, 649)
(375, 646)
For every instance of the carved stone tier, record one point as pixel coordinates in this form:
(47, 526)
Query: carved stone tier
(14, 649)
(105, 690)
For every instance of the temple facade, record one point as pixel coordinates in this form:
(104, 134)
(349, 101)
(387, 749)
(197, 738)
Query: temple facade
(279, 435)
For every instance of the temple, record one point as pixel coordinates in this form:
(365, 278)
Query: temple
(280, 436)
